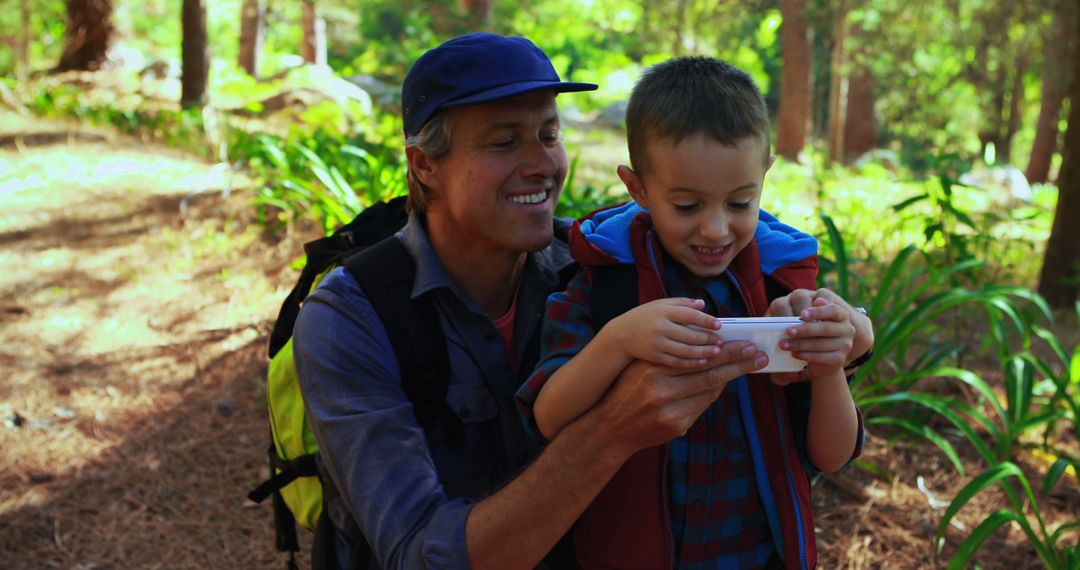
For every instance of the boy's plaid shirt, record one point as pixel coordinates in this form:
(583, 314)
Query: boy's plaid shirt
(718, 520)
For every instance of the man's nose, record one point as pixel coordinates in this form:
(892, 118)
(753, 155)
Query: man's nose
(541, 160)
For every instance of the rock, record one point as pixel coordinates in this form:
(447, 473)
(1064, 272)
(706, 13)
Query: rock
(612, 117)
(1005, 183)
(384, 94)
(225, 407)
(14, 420)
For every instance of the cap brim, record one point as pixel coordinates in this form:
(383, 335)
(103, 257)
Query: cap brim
(515, 89)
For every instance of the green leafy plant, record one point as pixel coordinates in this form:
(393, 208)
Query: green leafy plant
(908, 304)
(914, 302)
(580, 199)
(324, 178)
(1048, 544)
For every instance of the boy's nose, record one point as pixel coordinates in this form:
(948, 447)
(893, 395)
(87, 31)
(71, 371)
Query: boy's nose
(714, 228)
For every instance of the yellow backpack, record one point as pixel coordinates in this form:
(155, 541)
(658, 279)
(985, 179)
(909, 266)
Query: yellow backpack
(383, 268)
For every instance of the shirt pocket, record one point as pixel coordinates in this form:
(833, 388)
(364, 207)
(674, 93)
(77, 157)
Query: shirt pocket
(472, 404)
(470, 466)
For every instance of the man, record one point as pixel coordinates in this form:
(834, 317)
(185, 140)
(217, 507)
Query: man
(486, 165)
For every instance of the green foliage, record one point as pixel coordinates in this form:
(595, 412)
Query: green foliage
(937, 300)
(324, 178)
(578, 199)
(1051, 549)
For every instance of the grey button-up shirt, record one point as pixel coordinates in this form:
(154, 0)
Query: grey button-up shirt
(408, 492)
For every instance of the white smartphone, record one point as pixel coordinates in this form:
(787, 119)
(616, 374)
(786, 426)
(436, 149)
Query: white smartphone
(766, 334)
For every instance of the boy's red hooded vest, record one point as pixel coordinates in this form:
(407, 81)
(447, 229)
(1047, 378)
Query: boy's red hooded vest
(628, 525)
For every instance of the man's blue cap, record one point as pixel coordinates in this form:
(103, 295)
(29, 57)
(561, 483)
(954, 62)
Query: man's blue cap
(476, 68)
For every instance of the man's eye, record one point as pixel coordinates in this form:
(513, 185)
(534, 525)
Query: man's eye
(552, 137)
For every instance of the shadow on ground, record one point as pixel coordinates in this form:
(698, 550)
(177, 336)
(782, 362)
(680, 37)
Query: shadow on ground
(132, 344)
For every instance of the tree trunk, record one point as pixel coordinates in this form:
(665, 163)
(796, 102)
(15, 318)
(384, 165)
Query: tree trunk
(252, 34)
(478, 14)
(89, 32)
(313, 46)
(994, 114)
(678, 44)
(195, 58)
(1059, 282)
(838, 88)
(1055, 81)
(860, 128)
(1016, 108)
(22, 66)
(793, 119)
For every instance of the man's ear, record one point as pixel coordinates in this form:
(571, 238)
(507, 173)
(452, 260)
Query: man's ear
(633, 185)
(422, 166)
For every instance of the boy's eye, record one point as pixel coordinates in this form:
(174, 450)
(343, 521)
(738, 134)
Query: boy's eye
(686, 208)
(740, 205)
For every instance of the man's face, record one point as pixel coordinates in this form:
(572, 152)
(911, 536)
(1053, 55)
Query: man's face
(497, 186)
(704, 197)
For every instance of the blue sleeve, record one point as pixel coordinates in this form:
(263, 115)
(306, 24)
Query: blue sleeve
(567, 329)
(370, 443)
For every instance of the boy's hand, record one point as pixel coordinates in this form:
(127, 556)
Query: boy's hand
(826, 338)
(801, 299)
(657, 332)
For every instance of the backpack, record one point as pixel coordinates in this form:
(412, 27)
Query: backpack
(383, 268)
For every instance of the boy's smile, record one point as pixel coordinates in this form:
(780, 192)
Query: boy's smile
(704, 196)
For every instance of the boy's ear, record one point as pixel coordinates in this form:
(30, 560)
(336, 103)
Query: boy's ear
(770, 162)
(633, 185)
(422, 166)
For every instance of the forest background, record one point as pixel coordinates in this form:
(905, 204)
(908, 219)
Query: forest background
(927, 144)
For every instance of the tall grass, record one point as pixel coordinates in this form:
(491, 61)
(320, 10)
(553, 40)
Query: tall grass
(933, 309)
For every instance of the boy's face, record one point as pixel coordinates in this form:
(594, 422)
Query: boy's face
(704, 197)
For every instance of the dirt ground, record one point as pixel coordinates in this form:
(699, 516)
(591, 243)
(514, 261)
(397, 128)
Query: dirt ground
(135, 307)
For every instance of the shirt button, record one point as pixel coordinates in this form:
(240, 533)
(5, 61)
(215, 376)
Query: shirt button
(698, 508)
(699, 429)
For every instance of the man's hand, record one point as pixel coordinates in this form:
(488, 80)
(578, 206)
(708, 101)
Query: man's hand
(649, 404)
(658, 332)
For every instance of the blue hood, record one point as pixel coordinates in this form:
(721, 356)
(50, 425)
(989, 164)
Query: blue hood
(779, 244)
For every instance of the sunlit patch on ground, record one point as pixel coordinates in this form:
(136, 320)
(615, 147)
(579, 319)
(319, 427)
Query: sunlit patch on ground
(132, 343)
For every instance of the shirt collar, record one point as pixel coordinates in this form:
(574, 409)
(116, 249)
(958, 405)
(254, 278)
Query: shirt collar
(430, 273)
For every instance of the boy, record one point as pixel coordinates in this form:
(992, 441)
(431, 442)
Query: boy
(733, 491)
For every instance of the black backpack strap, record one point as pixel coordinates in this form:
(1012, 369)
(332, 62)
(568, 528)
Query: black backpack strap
(614, 291)
(386, 273)
(375, 223)
(284, 472)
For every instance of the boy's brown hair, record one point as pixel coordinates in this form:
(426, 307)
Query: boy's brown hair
(688, 96)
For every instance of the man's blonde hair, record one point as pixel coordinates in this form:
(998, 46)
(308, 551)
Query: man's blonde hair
(434, 141)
